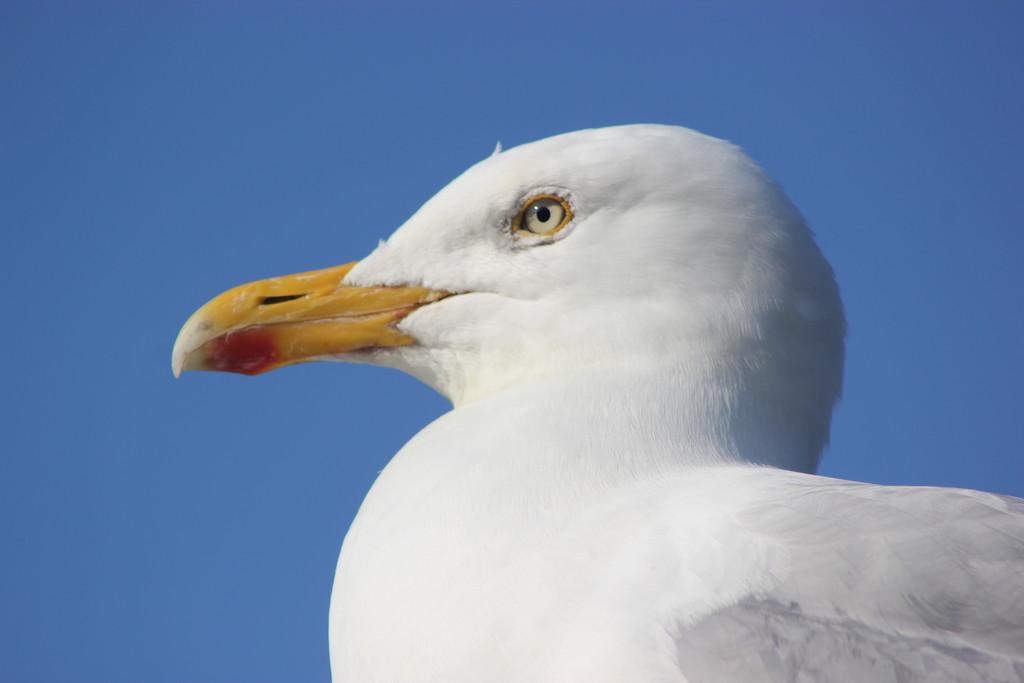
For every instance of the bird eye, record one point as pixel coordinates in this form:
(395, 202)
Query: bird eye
(543, 215)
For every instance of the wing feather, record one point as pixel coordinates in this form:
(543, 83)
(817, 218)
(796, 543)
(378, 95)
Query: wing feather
(878, 583)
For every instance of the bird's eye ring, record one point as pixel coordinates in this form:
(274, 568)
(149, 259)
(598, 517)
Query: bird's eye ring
(543, 214)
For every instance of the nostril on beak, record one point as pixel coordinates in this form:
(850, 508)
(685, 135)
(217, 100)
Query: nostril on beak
(267, 301)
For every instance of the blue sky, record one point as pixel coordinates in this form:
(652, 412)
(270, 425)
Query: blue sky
(154, 154)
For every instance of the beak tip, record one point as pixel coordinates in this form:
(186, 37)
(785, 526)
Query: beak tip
(177, 360)
(189, 340)
(186, 359)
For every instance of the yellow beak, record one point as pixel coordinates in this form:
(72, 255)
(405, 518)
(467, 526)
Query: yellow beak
(272, 323)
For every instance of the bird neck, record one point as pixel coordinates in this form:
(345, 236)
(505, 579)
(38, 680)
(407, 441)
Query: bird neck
(533, 457)
(656, 420)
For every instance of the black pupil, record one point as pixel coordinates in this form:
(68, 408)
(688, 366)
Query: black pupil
(543, 214)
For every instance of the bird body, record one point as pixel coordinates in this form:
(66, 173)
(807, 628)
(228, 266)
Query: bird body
(551, 565)
(643, 345)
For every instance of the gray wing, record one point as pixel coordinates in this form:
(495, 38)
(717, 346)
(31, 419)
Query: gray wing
(880, 584)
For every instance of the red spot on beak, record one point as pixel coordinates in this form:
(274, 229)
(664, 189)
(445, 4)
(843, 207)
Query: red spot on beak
(249, 352)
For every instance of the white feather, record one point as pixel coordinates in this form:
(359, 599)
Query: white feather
(622, 491)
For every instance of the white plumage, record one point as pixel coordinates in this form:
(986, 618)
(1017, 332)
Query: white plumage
(622, 491)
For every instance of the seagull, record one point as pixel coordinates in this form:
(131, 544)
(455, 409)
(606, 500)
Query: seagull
(643, 346)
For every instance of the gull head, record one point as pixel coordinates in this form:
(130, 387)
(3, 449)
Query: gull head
(640, 250)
